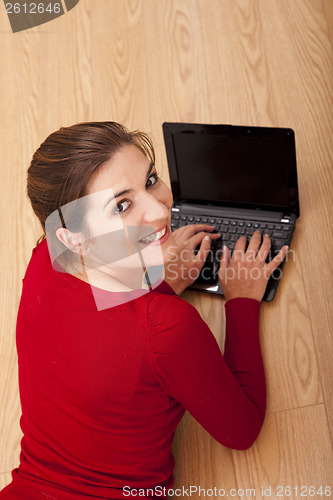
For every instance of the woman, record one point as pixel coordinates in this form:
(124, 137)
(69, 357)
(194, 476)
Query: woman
(110, 356)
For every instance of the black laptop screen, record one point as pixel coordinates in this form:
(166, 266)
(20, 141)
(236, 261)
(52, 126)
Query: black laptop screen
(234, 170)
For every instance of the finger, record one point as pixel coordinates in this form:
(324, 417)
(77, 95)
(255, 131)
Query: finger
(203, 251)
(265, 248)
(274, 263)
(224, 262)
(239, 248)
(196, 228)
(254, 243)
(197, 238)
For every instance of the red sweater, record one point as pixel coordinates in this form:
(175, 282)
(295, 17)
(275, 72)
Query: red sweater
(102, 392)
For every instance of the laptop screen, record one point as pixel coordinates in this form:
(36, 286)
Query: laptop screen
(233, 166)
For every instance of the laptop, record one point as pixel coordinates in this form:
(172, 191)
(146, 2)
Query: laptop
(239, 179)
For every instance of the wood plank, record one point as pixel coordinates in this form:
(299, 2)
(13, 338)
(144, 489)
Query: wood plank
(287, 342)
(202, 462)
(293, 449)
(302, 78)
(15, 217)
(237, 67)
(120, 81)
(176, 70)
(328, 10)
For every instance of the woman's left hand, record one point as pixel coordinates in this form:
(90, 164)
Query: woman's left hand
(182, 265)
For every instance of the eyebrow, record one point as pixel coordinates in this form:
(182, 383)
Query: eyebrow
(126, 191)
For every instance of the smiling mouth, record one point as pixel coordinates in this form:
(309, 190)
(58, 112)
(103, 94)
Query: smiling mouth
(154, 236)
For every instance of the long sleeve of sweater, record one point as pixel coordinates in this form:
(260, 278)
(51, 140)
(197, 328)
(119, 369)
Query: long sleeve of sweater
(225, 394)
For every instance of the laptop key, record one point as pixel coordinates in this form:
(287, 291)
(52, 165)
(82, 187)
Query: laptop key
(197, 219)
(278, 234)
(277, 245)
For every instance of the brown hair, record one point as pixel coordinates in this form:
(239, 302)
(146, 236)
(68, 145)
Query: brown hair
(67, 160)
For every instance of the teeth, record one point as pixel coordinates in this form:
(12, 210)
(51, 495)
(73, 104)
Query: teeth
(154, 236)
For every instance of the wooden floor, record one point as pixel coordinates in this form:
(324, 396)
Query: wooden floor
(142, 62)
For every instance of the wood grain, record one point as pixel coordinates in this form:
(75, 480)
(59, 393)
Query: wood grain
(142, 62)
(214, 466)
(303, 462)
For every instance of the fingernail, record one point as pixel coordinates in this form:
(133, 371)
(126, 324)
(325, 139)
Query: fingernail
(207, 238)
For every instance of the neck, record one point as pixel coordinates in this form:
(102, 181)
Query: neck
(125, 281)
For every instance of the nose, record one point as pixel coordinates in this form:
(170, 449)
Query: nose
(154, 210)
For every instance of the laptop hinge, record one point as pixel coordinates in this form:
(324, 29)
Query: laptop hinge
(289, 218)
(237, 213)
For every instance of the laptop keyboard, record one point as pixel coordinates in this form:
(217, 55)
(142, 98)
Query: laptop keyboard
(231, 229)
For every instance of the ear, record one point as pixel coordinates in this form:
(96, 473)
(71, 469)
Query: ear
(72, 241)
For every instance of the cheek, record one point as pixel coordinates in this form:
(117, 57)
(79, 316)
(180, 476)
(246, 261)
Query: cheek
(99, 224)
(165, 195)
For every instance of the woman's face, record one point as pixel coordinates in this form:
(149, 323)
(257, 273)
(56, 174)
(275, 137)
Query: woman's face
(128, 212)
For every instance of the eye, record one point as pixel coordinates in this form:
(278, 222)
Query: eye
(121, 207)
(152, 179)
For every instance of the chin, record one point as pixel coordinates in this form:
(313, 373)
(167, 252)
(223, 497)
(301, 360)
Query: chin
(153, 256)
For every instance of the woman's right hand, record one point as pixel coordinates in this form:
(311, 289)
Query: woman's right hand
(182, 263)
(247, 274)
